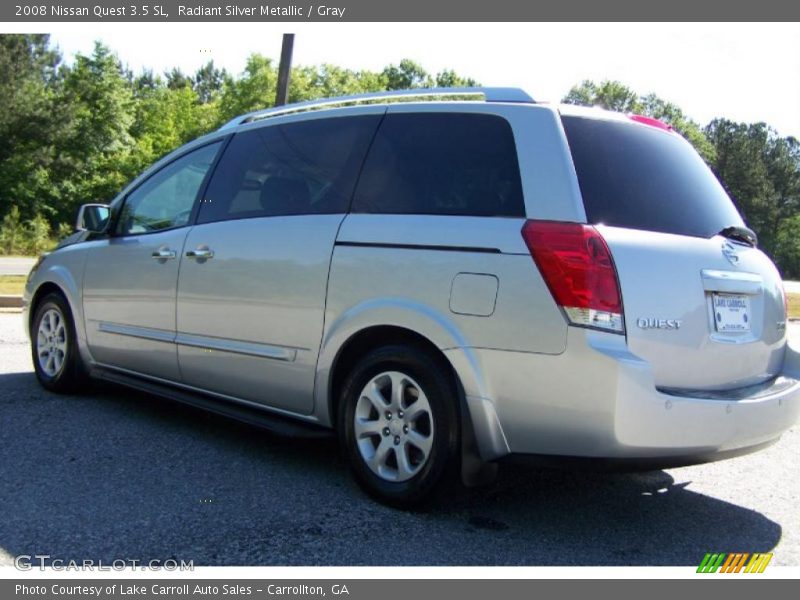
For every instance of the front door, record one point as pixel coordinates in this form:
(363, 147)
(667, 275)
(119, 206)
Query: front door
(131, 277)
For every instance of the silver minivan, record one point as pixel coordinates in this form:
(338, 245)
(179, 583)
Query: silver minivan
(445, 281)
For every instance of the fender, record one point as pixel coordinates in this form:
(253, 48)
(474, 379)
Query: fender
(437, 328)
(65, 275)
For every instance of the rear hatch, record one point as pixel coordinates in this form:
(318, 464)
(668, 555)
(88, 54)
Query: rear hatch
(701, 303)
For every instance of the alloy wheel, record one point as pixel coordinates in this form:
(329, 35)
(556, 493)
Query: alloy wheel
(51, 342)
(394, 427)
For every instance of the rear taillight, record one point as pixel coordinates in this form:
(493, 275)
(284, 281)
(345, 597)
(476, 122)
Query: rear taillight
(577, 267)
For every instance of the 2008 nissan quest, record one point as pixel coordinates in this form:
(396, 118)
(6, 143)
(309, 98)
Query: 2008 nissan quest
(444, 283)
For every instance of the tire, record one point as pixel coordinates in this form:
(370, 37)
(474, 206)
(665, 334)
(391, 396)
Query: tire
(54, 348)
(401, 446)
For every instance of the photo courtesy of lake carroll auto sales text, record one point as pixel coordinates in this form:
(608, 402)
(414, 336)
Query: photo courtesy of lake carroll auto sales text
(311, 300)
(178, 590)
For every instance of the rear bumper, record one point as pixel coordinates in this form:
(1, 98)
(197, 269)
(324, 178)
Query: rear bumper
(597, 400)
(628, 464)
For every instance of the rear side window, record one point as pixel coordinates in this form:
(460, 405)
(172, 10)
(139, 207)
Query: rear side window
(442, 164)
(645, 178)
(307, 167)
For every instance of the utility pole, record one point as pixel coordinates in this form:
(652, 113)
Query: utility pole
(285, 69)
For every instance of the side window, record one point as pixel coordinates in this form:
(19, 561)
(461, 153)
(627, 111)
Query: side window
(442, 164)
(165, 200)
(306, 167)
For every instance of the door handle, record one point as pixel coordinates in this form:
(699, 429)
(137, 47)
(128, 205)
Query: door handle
(163, 254)
(200, 253)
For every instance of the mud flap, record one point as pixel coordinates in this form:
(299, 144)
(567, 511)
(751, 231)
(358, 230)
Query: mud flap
(474, 470)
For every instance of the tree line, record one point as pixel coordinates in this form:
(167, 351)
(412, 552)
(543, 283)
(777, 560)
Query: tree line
(75, 133)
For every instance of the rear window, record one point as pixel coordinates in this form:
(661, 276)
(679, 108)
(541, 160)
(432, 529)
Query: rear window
(644, 178)
(442, 164)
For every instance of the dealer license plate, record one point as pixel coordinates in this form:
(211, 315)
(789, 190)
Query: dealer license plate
(731, 312)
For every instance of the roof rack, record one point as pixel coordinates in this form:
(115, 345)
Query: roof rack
(490, 94)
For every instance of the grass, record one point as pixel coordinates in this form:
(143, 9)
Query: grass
(794, 306)
(12, 285)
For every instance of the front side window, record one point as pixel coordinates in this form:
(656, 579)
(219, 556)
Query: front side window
(442, 164)
(305, 167)
(165, 200)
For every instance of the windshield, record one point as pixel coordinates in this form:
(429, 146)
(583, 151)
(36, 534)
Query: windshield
(645, 178)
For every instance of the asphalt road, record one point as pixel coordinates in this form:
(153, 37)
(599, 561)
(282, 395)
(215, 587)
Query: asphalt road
(13, 265)
(119, 475)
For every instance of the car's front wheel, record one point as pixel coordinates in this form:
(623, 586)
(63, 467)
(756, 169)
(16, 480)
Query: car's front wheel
(399, 425)
(53, 346)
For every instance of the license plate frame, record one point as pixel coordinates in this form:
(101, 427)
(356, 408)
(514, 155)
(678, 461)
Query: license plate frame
(732, 312)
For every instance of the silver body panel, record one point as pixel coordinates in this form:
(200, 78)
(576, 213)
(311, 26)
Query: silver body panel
(264, 321)
(598, 399)
(255, 311)
(402, 286)
(670, 276)
(129, 301)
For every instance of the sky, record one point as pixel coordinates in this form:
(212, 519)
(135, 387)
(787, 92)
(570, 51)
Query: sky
(744, 72)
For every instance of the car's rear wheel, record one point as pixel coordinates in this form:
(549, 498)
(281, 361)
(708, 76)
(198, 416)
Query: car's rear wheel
(398, 423)
(53, 346)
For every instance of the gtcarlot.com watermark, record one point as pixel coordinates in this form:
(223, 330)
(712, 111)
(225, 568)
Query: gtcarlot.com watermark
(27, 562)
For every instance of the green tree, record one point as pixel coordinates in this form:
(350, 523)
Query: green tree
(611, 95)
(325, 81)
(97, 144)
(449, 78)
(208, 82)
(30, 120)
(177, 79)
(164, 119)
(145, 82)
(783, 167)
(761, 172)
(407, 75)
(253, 90)
(37, 234)
(12, 232)
(787, 247)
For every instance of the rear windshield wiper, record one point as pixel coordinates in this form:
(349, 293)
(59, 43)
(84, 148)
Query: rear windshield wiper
(740, 233)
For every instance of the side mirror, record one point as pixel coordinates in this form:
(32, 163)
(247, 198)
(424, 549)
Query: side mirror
(93, 218)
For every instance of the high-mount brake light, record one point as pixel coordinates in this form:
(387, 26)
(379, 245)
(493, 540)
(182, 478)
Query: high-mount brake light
(577, 267)
(651, 122)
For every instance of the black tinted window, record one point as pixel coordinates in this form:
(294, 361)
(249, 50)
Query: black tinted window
(442, 164)
(308, 167)
(644, 178)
